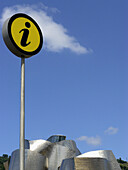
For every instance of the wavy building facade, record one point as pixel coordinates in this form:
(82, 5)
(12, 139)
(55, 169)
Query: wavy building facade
(57, 153)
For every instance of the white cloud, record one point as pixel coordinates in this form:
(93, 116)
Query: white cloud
(111, 130)
(95, 141)
(56, 37)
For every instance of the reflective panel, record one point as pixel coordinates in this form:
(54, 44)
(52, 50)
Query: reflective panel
(57, 153)
(33, 160)
(85, 164)
(41, 154)
(107, 154)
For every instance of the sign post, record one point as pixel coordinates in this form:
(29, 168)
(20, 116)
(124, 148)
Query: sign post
(22, 116)
(23, 37)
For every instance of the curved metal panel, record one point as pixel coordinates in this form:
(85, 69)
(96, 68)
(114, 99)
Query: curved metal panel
(52, 154)
(107, 154)
(85, 163)
(68, 164)
(39, 145)
(71, 145)
(58, 151)
(33, 160)
(57, 154)
(45, 155)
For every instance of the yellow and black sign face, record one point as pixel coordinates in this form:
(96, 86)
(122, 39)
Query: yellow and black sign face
(25, 35)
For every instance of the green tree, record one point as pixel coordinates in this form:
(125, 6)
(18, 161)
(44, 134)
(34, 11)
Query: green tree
(3, 159)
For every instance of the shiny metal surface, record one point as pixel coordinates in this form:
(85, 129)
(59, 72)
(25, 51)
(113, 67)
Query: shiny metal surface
(68, 164)
(107, 154)
(38, 145)
(33, 160)
(95, 160)
(63, 155)
(85, 164)
(52, 154)
(56, 153)
(71, 145)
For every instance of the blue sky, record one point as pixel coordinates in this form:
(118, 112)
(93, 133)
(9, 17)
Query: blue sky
(78, 84)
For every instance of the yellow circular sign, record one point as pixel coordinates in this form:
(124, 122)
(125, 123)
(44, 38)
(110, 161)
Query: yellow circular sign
(24, 34)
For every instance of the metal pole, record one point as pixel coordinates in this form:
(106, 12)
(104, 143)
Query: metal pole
(22, 116)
